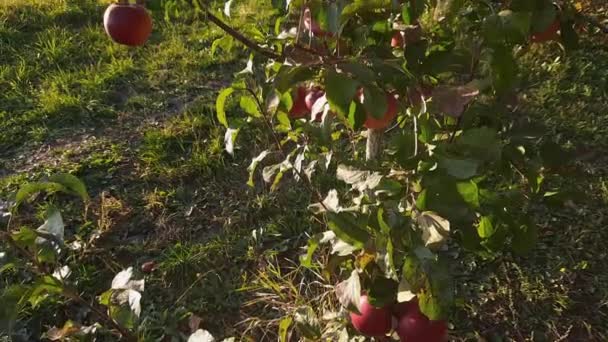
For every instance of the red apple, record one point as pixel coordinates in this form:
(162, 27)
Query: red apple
(127, 24)
(550, 33)
(413, 325)
(372, 321)
(391, 113)
(397, 40)
(298, 109)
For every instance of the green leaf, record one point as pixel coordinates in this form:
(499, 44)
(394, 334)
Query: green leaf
(249, 105)
(382, 292)
(375, 102)
(340, 91)
(288, 76)
(333, 18)
(402, 147)
(570, 38)
(384, 227)
(13, 299)
(356, 115)
(24, 238)
(504, 70)
(362, 72)
(482, 143)
(123, 316)
(43, 287)
(313, 244)
(104, 298)
(71, 183)
(430, 305)
(485, 228)
(405, 13)
(284, 122)
(254, 164)
(346, 228)
(220, 105)
(29, 189)
(469, 192)
(284, 328)
(459, 168)
(437, 298)
(226, 43)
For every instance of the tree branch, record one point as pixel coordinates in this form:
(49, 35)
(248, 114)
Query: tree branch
(238, 36)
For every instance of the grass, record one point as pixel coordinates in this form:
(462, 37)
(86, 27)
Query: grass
(138, 126)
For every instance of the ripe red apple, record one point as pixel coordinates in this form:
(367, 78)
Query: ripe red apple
(299, 109)
(372, 321)
(391, 113)
(397, 40)
(550, 33)
(127, 24)
(413, 325)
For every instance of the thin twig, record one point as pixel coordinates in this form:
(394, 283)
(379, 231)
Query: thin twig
(458, 122)
(415, 117)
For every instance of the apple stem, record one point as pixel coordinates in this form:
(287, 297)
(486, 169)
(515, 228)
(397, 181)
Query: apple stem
(374, 144)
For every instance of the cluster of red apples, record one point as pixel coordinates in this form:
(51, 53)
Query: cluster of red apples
(304, 99)
(411, 324)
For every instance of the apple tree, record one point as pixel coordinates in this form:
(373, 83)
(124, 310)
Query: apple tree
(408, 104)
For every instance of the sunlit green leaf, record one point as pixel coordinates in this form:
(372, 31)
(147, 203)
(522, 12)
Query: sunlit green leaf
(284, 328)
(72, 183)
(346, 228)
(340, 91)
(220, 105)
(249, 105)
(485, 228)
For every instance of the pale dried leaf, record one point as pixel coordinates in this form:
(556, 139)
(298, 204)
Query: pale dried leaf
(122, 278)
(229, 139)
(53, 226)
(404, 291)
(349, 291)
(201, 336)
(341, 248)
(435, 229)
(62, 273)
